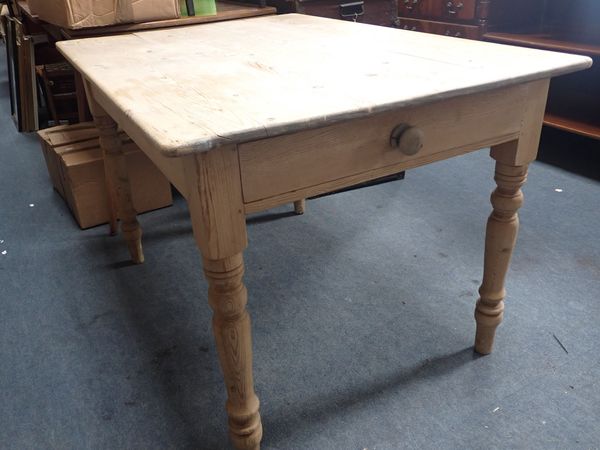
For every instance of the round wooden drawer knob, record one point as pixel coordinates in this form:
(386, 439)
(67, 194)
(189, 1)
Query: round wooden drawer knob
(409, 140)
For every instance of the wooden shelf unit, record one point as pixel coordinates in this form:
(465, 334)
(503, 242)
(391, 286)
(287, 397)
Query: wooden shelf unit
(572, 125)
(544, 41)
(571, 27)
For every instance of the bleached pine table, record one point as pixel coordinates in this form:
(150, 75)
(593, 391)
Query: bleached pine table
(242, 116)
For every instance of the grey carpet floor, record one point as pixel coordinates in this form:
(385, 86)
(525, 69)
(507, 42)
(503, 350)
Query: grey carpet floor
(362, 316)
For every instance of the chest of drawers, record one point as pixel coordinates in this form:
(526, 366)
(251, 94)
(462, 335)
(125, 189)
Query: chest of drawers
(464, 10)
(466, 18)
(374, 12)
(459, 18)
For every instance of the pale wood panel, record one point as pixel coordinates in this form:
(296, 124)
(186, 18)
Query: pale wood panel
(501, 237)
(197, 88)
(292, 162)
(215, 202)
(336, 184)
(526, 148)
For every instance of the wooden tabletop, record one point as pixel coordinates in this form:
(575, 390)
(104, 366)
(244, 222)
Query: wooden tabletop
(195, 88)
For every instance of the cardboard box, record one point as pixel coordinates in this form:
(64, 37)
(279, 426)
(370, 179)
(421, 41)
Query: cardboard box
(76, 168)
(76, 14)
(64, 139)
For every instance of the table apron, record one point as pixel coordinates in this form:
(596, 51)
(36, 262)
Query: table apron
(299, 165)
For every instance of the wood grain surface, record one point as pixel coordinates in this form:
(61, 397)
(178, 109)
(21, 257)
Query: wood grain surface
(501, 237)
(293, 162)
(196, 88)
(266, 111)
(117, 180)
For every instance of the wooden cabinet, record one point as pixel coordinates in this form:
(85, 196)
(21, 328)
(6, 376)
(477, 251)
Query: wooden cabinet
(458, 18)
(456, 9)
(414, 8)
(485, 15)
(441, 9)
(559, 25)
(445, 28)
(374, 12)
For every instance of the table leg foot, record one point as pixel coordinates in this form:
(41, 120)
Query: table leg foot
(231, 326)
(300, 206)
(501, 236)
(484, 339)
(133, 238)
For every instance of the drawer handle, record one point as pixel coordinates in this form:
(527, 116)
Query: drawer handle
(449, 33)
(410, 4)
(452, 8)
(409, 140)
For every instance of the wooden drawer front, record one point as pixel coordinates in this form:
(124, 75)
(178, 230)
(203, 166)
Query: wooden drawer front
(447, 29)
(463, 10)
(374, 12)
(454, 9)
(318, 161)
(416, 8)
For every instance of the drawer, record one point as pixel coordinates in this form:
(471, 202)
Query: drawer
(454, 9)
(459, 10)
(416, 8)
(374, 12)
(307, 163)
(445, 28)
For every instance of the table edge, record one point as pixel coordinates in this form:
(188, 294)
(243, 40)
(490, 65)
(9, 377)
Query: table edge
(258, 133)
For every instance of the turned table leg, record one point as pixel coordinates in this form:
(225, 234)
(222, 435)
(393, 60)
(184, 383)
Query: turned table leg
(84, 98)
(231, 326)
(111, 198)
(118, 189)
(501, 236)
(116, 172)
(219, 223)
